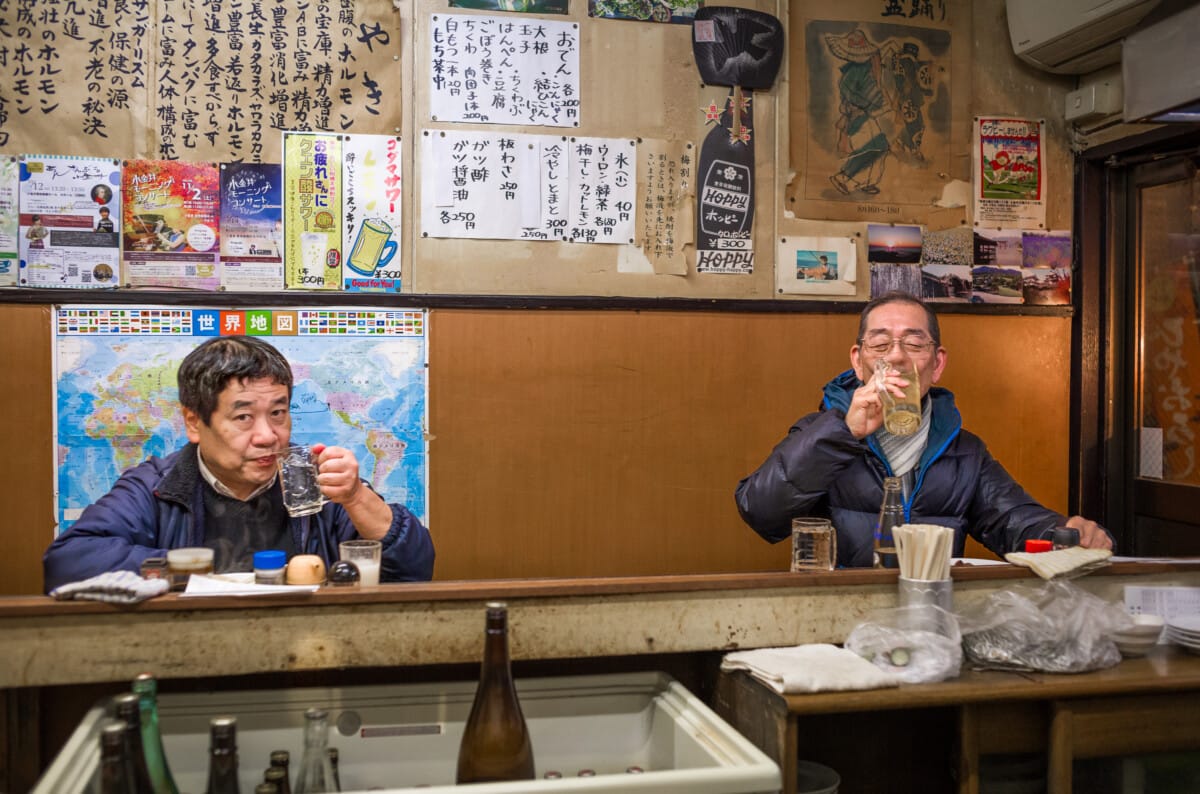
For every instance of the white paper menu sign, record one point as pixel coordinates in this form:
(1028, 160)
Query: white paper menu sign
(503, 70)
(492, 185)
(603, 190)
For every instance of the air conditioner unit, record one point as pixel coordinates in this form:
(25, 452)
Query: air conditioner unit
(1161, 72)
(1072, 36)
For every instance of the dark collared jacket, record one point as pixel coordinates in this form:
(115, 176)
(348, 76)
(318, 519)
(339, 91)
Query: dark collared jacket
(821, 469)
(159, 505)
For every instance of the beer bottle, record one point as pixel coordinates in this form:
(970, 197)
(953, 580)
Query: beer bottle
(129, 710)
(146, 688)
(280, 759)
(891, 515)
(114, 761)
(316, 773)
(278, 776)
(222, 756)
(266, 788)
(495, 743)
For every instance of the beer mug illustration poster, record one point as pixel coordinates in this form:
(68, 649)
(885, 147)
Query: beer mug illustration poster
(312, 210)
(371, 206)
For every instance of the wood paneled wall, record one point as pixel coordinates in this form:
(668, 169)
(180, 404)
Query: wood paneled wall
(608, 442)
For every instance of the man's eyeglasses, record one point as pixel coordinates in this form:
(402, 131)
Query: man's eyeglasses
(881, 344)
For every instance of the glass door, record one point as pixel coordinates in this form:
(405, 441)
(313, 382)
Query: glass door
(1162, 333)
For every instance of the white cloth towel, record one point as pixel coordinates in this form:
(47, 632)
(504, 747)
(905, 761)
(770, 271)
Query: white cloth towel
(1061, 563)
(809, 668)
(115, 587)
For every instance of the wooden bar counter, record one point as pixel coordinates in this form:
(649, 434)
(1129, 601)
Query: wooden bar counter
(57, 646)
(47, 642)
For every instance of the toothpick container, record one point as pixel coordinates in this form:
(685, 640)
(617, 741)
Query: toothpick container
(938, 592)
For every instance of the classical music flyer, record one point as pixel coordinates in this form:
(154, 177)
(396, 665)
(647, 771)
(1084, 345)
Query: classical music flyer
(68, 230)
(251, 227)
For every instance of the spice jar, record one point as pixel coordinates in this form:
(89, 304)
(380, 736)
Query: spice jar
(269, 567)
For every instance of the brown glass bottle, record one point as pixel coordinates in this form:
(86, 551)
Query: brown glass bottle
(128, 708)
(495, 743)
(278, 777)
(222, 756)
(281, 759)
(115, 770)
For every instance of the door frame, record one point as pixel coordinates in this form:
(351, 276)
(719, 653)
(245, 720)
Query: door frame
(1103, 298)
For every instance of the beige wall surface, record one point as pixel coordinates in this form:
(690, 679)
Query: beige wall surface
(577, 443)
(637, 81)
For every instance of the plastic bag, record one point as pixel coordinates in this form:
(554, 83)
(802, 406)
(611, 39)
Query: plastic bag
(918, 644)
(1055, 627)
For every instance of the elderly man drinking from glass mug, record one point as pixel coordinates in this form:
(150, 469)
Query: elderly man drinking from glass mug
(833, 462)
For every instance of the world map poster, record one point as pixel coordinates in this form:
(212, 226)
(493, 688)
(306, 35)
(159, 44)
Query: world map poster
(360, 383)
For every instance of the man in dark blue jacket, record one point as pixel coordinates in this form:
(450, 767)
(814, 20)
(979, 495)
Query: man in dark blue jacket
(832, 463)
(220, 490)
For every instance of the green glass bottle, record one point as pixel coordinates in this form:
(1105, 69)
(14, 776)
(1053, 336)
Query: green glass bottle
(146, 688)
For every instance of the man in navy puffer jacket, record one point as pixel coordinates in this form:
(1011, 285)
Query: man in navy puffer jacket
(221, 490)
(832, 463)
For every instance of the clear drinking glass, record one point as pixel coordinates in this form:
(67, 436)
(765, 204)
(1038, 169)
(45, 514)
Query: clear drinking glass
(814, 544)
(366, 555)
(298, 474)
(901, 415)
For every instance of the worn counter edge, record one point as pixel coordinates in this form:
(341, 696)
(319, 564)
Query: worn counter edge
(50, 643)
(487, 589)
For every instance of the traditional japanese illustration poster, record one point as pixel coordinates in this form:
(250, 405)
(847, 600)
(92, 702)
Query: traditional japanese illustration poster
(371, 213)
(69, 208)
(882, 121)
(195, 80)
(1009, 173)
(826, 265)
(679, 12)
(500, 70)
(170, 220)
(494, 185)
(603, 185)
(312, 210)
(519, 6)
(665, 200)
(10, 221)
(251, 227)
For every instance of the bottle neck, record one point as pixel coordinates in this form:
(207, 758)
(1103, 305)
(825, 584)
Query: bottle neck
(316, 734)
(495, 646)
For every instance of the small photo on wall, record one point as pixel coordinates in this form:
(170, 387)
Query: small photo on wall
(898, 245)
(991, 284)
(949, 247)
(946, 283)
(816, 265)
(1046, 286)
(1046, 249)
(1001, 248)
(890, 278)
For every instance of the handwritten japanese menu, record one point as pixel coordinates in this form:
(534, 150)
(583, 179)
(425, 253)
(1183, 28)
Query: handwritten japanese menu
(504, 70)
(210, 79)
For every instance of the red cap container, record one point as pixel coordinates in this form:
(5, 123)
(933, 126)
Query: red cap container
(1039, 545)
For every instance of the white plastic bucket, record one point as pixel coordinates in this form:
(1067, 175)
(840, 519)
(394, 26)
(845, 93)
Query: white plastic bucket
(814, 778)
